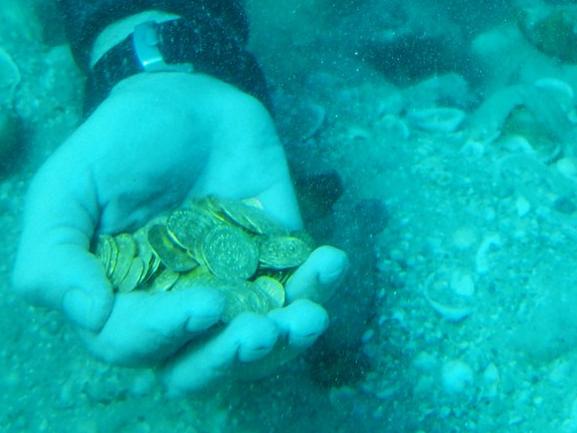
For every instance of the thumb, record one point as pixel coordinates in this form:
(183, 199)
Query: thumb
(86, 293)
(318, 277)
(66, 278)
(53, 266)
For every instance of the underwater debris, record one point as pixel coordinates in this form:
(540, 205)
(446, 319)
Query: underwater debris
(482, 257)
(535, 118)
(437, 119)
(451, 294)
(457, 377)
(450, 90)
(552, 32)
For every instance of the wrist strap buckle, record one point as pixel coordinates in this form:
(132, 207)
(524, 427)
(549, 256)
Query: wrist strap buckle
(147, 48)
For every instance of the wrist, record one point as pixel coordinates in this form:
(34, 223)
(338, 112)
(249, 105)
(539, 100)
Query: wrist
(84, 20)
(197, 44)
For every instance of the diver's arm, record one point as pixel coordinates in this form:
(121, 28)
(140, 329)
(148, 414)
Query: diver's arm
(155, 140)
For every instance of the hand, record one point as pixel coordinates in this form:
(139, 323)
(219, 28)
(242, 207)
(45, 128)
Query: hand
(158, 139)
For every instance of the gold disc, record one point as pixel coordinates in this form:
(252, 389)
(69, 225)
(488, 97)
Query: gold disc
(132, 278)
(282, 252)
(240, 300)
(229, 253)
(272, 288)
(107, 252)
(164, 281)
(171, 255)
(199, 276)
(103, 251)
(187, 226)
(251, 218)
(126, 252)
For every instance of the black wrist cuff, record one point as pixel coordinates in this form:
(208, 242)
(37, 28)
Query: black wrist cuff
(200, 41)
(86, 19)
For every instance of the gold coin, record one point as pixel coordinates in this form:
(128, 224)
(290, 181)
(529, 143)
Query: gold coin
(282, 252)
(254, 202)
(211, 205)
(229, 253)
(153, 266)
(262, 224)
(126, 252)
(171, 255)
(147, 256)
(305, 237)
(132, 278)
(260, 303)
(200, 276)
(103, 251)
(232, 212)
(239, 301)
(112, 253)
(272, 288)
(188, 226)
(251, 218)
(164, 281)
(151, 263)
(283, 276)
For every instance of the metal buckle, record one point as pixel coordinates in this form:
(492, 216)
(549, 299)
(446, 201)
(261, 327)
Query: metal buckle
(146, 46)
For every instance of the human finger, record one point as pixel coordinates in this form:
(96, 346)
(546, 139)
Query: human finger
(144, 328)
(299, 324)
(317, 278)
(247, 338)
(302, 322)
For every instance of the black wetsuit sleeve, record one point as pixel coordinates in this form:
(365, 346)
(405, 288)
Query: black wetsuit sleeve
(85, 19)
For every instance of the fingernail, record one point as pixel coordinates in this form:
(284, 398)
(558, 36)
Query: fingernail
(80, 308)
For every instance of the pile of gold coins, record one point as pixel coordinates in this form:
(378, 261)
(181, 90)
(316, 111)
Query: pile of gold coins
(229, 245)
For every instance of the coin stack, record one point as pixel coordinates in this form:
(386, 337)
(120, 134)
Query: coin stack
(229, 245)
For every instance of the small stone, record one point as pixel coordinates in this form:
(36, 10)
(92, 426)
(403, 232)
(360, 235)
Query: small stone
(523, 206)
(490, 385)
(456, 377)
(462, 283)
(438, 119)
(394, 127)
(491, 374)
(425, 362)
(67, 395)
(490, 243)
(564, 205)
(561, 91)
(567, 167)
(464, 238)
(142, 385)
(357, 134)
